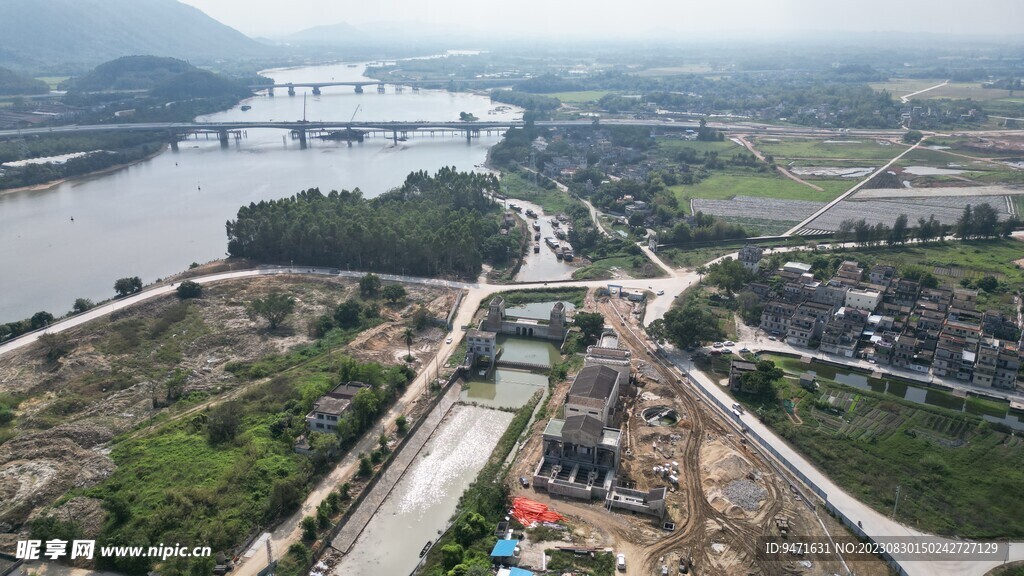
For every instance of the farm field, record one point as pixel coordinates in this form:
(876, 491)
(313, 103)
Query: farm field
(953, 90)
(778, 212)
(724, 186)
(580, 97)
(953, 468)
(840, 148)
(946, 209)
(669, 147)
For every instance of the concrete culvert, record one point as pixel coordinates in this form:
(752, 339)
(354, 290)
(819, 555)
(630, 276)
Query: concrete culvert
(660, 416)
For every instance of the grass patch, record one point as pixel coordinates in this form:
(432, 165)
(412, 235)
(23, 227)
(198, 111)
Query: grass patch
(602, 563)
(723, 186)
(580, 97)
(517, 297)
(605, 268)
(866, 149)
(551, 200)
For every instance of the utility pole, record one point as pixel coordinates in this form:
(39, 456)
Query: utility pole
(896, 503)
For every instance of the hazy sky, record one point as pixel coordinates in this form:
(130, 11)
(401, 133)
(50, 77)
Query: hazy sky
(758, 17)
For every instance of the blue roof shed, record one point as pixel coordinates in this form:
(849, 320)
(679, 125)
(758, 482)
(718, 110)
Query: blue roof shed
(504, 549)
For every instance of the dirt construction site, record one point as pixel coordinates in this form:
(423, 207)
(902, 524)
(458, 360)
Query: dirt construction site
(723, 495)
(121, 369)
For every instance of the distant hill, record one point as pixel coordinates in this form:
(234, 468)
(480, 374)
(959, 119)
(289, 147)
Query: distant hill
(13, 84)
(165, 78)
(341, 33)
(70, 36)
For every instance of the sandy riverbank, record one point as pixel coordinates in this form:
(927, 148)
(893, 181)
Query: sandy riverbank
(54, 183)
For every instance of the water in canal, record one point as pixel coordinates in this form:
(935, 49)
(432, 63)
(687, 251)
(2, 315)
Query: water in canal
(543, 265)
(918, 395)
(154, 218)
(426, 497)
(508, 387)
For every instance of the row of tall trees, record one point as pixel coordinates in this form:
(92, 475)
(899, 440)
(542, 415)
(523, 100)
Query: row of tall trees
(431, 225)
(981, 221)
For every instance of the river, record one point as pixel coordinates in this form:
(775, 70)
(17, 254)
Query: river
(154, 218)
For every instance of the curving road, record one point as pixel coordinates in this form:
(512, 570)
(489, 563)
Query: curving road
(874, 523)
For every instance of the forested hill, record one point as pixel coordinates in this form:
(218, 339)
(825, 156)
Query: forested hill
(12, 83)
(432, 225)
(69, 36)
(166, 79)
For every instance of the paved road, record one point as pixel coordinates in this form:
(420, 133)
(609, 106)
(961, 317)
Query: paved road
(875, 524)
(847, 194)
(667, 125)
(906, 98)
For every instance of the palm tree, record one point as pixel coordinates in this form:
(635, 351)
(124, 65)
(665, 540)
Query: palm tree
(701, 271)
(408, 336)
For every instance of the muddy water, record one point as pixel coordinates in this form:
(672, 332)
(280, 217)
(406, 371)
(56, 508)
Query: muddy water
(543, 265)
(426, 497)
(508, 389)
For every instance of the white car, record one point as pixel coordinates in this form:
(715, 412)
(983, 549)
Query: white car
(620, 562)
(448, 340)
(729, 343)
(660, 292)
(744, 350)
(717, 345)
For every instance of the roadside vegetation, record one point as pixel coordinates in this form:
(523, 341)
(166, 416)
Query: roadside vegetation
(992, 266)
(209, 454)
(956, 472)
(468, 544)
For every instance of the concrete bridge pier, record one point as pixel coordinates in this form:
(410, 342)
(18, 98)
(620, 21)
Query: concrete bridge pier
(174, 143)
(469, 136)
(223, 136)
(359, 89)
(291, 90)
(302, 139)
(270, 91)
(394, 137)
(380, 88)
(316, 90)
(398, 88)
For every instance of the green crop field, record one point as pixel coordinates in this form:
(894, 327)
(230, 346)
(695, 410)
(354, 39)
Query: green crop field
(954, 469)
(722, 186)
(725, 148)
(580, 97)
(854, 149)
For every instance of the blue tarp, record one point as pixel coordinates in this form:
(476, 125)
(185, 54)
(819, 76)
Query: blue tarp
(519, 572)
(504, 548)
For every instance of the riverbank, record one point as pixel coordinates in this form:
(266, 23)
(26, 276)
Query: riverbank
(82, 177)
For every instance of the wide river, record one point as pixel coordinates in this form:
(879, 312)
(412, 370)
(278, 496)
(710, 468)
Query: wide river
(155, 218)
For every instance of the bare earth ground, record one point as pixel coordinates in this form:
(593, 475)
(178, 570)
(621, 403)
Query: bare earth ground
(726, 496)
(74, 407)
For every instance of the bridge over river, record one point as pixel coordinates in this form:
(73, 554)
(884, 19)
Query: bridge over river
(359, 85)
(301, 129)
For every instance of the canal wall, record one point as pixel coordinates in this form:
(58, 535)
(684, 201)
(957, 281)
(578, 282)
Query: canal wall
(363, 508)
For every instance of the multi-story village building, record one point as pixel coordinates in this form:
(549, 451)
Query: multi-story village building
(894, 321)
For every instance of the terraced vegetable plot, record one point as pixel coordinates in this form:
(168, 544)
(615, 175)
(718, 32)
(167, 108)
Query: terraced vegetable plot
(946, 209)
(763, 208)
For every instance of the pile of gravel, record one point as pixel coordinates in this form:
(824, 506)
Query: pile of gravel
(745, 494)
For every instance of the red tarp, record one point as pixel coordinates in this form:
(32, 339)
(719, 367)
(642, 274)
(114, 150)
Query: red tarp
(528, 511)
